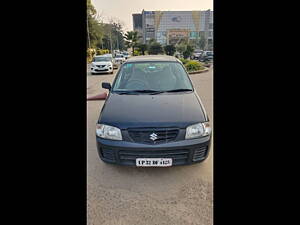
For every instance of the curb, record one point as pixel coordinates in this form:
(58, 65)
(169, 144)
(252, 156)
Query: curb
(199, 71)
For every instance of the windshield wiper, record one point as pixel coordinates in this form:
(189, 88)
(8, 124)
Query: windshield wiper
(151, 92)
(175, 90)
(136, 91)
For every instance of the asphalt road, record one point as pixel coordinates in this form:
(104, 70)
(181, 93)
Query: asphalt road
(129, 195)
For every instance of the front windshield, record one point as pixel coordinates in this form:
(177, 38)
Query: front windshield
(102, 59)
(155, 76)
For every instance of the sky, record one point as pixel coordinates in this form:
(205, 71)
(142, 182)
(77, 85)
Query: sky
(123, 9)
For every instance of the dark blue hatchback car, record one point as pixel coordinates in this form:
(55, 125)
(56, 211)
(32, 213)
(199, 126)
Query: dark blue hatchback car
(152, 116)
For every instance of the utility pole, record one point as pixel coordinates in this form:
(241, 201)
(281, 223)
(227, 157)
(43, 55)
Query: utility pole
(111, 44)
(118, 42)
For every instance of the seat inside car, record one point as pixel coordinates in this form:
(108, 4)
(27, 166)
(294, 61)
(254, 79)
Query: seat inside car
(162, 80)
(137, 75)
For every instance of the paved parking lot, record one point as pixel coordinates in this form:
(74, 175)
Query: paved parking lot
(129, 195)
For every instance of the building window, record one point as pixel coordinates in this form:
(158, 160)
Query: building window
(193, 34)
(201, 33)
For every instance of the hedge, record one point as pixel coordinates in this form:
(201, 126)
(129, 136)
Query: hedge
(184, 61)
(91, 52)
(193, 65)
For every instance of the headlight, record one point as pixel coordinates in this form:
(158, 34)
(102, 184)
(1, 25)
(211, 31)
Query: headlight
(198, 130)
(108, 132)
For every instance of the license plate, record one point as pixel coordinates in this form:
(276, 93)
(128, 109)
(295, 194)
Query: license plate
(153, 162)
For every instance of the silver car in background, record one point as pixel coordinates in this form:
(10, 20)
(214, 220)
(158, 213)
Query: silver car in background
(119, 59)
(115, 65)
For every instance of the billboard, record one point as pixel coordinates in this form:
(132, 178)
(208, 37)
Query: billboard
(175, 35)
(178, 33)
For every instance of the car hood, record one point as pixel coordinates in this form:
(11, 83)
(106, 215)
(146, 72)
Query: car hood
(162, 110)
(101, 63)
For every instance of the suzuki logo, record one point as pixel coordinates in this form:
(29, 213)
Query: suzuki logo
(153, 136)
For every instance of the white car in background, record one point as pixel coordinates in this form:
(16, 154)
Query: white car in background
(102, 64)
(197, 54)
(115, 65)
(119, 59)
(126, 55)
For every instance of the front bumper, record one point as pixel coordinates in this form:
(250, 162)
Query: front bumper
(102, 70)
(119, 62)
(182, 152)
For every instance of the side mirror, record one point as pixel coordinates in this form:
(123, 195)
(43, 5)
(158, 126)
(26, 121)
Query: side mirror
(106, 85)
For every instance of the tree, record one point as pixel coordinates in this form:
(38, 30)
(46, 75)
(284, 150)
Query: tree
(181, 48)
(91, 11)
(95, 31)
(103, 35)
(131, 38)
(117, 33)
(151, 41)
(170, 49)
(188, 51)
(142, 48)
(201, 42)
(155, 48)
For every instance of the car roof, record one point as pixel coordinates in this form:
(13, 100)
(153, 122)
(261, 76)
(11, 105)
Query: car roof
(147, 58)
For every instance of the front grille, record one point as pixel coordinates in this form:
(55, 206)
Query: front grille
(129, 157)
(100, 66)
(200, 153)
(153, 135)
(101, 70)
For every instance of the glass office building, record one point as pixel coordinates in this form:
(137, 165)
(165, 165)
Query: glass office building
(170, 27)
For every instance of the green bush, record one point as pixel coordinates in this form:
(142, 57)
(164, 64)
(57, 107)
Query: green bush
(184, 61)
(155, 48)
(90, 54)
(137, 52)
(142, 48)
(193, 65)
(170, 49)
(102, 51)
(188, 51)
(98, 51)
